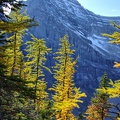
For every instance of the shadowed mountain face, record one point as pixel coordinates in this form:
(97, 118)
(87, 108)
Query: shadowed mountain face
(84, 28)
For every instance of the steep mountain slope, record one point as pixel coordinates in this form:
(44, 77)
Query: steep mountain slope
(60, 17)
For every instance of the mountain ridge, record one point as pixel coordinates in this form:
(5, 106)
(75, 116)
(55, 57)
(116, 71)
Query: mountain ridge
(84, 28)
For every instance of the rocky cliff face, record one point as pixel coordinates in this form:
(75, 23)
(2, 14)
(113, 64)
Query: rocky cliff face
(84, 28)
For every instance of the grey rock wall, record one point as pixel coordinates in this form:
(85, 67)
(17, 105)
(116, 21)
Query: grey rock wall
(84, 28)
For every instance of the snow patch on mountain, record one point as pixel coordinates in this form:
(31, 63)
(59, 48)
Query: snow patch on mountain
(98, 43)
(102, 45)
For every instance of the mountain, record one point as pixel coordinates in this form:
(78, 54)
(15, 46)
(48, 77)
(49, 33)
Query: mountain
(84, 28)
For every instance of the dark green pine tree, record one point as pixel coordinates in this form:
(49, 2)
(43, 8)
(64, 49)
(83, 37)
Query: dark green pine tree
(10, 4)
(98, 109)
(104, 81)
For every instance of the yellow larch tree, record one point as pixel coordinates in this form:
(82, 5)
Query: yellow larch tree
(15, 28)
(36, 58)
(13, 88)
(66, 96)
(114, 39)
(114, 90)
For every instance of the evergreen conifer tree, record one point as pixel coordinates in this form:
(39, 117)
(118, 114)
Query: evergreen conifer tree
(98, 109)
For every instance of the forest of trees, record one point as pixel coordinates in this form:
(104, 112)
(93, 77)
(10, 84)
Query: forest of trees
(23, 89)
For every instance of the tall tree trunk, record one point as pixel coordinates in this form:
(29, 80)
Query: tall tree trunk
(37, 74)
(15, 56)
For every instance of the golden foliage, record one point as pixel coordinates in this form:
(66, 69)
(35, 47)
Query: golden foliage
(36, 58)
(114, 91)
(66, 96)
(116, 64)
